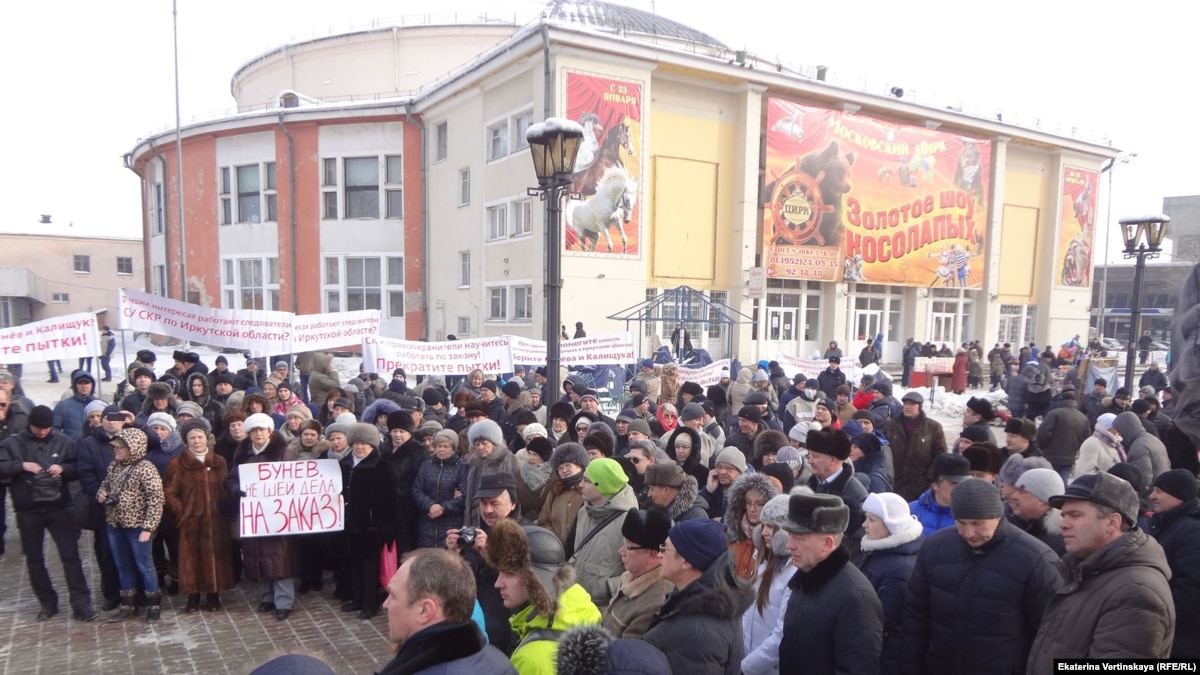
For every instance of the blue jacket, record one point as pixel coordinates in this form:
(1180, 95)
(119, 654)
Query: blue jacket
(93, 454)
(933, 516)
(888, 563)
(69, 417)
(436, 483)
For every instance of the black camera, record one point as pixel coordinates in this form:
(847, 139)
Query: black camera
(466, 536)
(112, 500)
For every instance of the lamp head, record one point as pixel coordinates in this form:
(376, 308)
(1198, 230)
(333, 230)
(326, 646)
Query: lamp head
(1147, 231)
(554, 145)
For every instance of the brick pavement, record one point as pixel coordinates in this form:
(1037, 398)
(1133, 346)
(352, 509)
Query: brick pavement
(232, 641)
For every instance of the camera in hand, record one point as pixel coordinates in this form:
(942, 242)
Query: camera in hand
(112, 500)
(466, 536)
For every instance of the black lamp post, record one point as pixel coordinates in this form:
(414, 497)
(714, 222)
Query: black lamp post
(1143, 237)
(553, 144)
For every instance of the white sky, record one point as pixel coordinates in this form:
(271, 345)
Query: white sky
(86, 78)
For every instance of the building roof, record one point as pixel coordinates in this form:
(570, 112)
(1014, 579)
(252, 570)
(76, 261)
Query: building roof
(607, 15)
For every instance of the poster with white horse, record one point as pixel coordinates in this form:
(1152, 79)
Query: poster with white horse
(608, 169)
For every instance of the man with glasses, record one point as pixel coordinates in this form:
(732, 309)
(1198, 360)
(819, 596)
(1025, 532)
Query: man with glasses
(642, 589)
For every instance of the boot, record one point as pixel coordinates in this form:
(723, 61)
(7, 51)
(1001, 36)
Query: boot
(153, 606)
(193, 603)
(128, 609)
(213, 603)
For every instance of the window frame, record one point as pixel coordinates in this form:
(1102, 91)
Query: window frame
(495, 222)
(522, 220)
(464, 186)
(441, 137)
(128, 259)
(492, 306)
(496, 139)
(336, 290)
(252, 197)
(519, 141)
(234, 286)
(60, 298)
(82, 263)
(392, 187)
(348, 189)
(464, 269)
(522, 310)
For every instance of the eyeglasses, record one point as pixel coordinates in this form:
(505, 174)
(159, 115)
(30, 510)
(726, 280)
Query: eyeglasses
(755, 505)
(631, 547)
(634, 460)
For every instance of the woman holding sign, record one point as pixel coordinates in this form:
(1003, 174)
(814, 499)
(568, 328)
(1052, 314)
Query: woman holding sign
(194, 492)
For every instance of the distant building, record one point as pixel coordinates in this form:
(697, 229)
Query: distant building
(1184, 230)
(387, 168)
(48, 275)
(1160, 289)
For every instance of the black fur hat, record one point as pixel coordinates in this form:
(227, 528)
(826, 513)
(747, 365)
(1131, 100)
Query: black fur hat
(830, 442)
(647, 528)
(591, 650)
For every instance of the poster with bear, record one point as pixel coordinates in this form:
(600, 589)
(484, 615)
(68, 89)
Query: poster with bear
(1077, 226)
(606, 220)
(849, 197)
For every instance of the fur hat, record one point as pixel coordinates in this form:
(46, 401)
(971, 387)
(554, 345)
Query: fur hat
(591, 650)
(893, 511)
(982, 407)
(486, 429)
(475, 409)
(562, 410)
(158, 390)
(823, 513)
(258, 421)
(975, 499)
(540, 446)
(1041, 483)
(192, 425)
(769, 442)
(535, 554)
(192, 408)
(160, 419)
(829, 442)
(401, 420)
(1016, 465)
(699, 541)
(647, 528)
(569, 452)
(664, 473)
(361, 432)
(975, 434)
(985, 457)
(599, 437)
(1021, 427)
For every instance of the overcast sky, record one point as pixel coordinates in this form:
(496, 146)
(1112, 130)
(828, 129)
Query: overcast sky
(86, 79)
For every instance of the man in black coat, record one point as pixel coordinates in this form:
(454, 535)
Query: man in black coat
(833, 621)
(831, 378)
(1062, 432)
(1176, 526)
(977, 592)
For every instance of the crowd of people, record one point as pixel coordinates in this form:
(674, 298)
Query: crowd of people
(747, 527)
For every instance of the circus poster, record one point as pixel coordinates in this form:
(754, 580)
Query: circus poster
(606, 220)
(1077, 225)
(849, 197)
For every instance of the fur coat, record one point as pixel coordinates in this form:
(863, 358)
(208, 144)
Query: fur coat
(195, 492)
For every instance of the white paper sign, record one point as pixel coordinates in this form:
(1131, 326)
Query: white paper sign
(284, 498)
(312, 332)
(63, 337)
(452, 357)
(594, 350)
(705, 376)
(259, 331)
(811, 369)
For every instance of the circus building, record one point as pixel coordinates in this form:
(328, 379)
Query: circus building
(388, 168)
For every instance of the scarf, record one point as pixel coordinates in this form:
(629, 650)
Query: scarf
(199, 455)
(339, 456)
(1112, 442)
(666, 427)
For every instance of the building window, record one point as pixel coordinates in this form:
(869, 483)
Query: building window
(442, 134)
(362, 187)
(498, 140)
(464, 186)
(329, 183)
(60, 298)
(497, 222)
(394, 191)
(464, 326)
(249, 204)
(521, 124)
(522, 215)
(226, 189)
(250, 283)
(269, 193)
(124, 265)
(362, 282)
(159, 280)
(716, 329)
(498, 303)
(156, 206)
(464, 268)
(83, 264)
(522, 303)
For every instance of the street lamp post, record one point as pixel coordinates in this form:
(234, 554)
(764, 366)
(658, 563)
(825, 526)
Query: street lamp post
(1143, 237)
(553, 144)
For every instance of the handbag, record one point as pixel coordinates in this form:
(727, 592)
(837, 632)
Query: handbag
(45, 489)
(388, 564)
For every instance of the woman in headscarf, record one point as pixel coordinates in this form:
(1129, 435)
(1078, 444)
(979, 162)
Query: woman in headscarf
(665, 420)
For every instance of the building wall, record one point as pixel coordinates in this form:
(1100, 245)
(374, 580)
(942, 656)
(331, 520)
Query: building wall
(49, 268)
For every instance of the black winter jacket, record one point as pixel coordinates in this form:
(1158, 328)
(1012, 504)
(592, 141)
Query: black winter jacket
(833, 622)
(370, 504)
(1178, 532)
(55, 448)
(976, 610)
(888, 564)
(437, 482)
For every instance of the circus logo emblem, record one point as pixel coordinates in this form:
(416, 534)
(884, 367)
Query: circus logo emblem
(607, 218)
(1077, 226)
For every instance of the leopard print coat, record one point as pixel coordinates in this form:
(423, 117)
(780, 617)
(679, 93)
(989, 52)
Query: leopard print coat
(136, 484)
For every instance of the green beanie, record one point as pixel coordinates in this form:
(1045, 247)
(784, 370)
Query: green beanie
(607, 475)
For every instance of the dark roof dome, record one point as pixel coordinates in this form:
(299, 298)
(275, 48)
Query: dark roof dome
(610, 16)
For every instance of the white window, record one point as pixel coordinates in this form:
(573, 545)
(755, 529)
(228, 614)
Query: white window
(522, 217)
(269, 195)
(159, 280)
(521, 125)
(498, 303)
(83, 264)
(497, 140)
(364, 282)
(522, 303)
(497, 222)
(394, 191)
(225, 189)
(329, 185)
(442, 134)
(249, 195)
(362, 187)
(464, 186)
(60, 297)
(464, 326)
(464, 268)
(124, 265)
(250, 283)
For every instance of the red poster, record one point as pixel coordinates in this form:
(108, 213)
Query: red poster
(608, 168)
(1077, 225)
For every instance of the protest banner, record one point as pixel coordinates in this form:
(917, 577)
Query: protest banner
(812, 368)
(63, 337)
(260, 331)
(312, 332)
(599, 349)
(705, 376)
(284, 498)
(453, 357)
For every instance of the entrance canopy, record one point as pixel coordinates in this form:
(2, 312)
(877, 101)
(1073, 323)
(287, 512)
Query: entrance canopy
(682, 304)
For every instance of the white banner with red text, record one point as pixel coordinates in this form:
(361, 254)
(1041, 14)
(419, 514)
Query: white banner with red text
(259, 331)
(705, 376)
(284, 498)
(63, 337)
(813, 367)
(491, 355)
